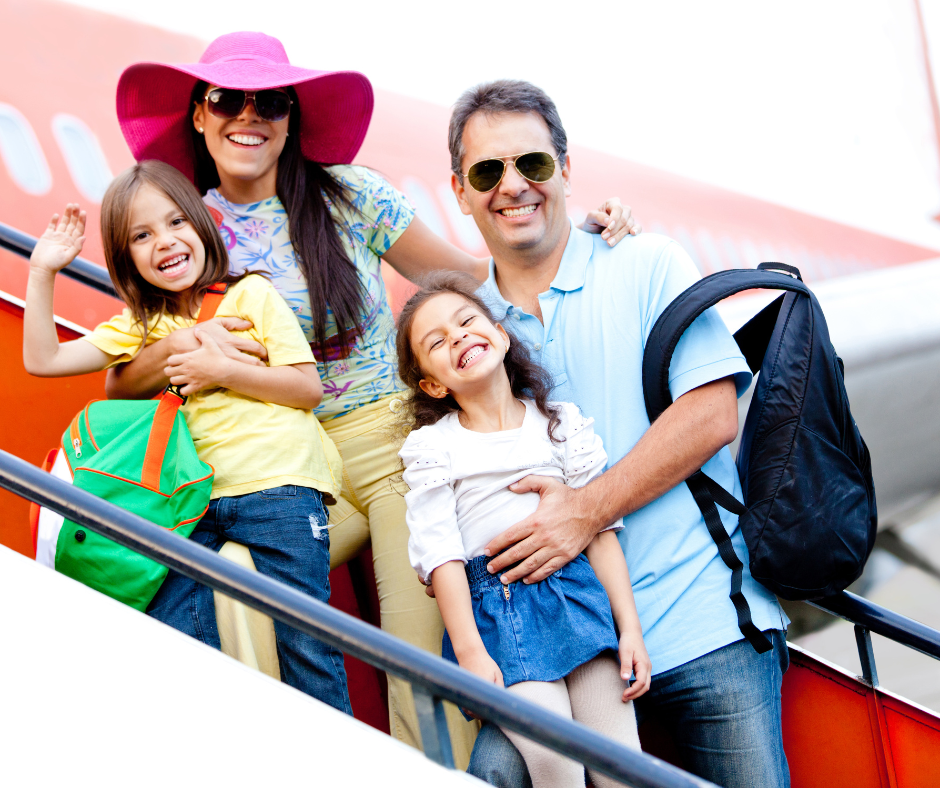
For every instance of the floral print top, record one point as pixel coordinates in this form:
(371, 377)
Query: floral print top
(257, 239)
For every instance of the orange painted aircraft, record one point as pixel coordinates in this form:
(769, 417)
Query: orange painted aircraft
(60, 142)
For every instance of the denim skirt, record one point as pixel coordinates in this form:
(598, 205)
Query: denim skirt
(541, 631)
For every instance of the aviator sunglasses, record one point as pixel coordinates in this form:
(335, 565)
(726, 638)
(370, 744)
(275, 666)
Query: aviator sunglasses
(270, 105)
(536, 167)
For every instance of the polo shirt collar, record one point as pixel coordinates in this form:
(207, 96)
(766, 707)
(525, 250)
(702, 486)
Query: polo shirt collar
(573, 268)
(570, 276)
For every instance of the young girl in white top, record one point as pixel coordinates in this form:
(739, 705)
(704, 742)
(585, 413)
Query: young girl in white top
(273, 463)
(482, 422)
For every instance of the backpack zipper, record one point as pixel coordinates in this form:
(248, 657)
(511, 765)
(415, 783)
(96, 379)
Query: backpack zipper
(75, 435)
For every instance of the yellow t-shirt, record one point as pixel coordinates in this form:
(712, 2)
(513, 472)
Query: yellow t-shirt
(252, 445)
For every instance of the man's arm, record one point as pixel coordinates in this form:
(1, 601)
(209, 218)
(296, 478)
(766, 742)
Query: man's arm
(690, 432)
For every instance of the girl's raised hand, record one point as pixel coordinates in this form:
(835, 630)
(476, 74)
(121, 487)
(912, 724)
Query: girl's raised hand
(633, 658)
(61, 242)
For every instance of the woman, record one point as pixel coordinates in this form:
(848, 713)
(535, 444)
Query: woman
(253, 148)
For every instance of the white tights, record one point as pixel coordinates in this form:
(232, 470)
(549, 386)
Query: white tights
(590, 695)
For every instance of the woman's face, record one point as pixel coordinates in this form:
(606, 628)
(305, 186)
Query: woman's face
(245, 150)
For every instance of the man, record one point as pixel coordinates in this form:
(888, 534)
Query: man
(585, 311)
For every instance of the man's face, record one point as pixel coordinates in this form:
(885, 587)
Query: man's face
(541, 224)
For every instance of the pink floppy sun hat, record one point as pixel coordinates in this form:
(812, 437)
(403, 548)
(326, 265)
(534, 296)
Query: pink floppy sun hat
(155, 113)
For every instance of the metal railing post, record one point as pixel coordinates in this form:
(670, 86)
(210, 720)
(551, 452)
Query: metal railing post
(866, 655)
(435, 737)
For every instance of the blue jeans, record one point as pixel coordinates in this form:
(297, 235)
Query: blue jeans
(722, 709)
(285, 530)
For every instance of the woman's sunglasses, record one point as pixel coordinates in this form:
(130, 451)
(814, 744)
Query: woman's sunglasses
(537, 167)
(228, 103)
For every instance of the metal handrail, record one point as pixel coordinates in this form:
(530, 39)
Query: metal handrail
(84, 271)
(432, 677)
(882, 621)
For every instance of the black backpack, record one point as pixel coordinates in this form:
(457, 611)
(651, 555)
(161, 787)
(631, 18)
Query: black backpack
(809, 518)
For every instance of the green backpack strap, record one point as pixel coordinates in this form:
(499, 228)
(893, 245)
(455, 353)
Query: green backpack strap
(171, 401)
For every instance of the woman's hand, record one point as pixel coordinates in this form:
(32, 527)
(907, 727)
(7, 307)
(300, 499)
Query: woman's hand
(61, 242)
(613, 221)
(206, 367)
(242, 349)
(635, 660)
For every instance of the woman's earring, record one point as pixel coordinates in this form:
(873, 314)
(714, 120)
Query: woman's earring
(201, 130)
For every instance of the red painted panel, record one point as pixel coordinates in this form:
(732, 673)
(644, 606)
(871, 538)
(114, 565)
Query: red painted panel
(827, 732)
(914, 736)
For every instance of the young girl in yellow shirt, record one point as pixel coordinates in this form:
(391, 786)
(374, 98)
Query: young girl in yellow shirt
(275, 468)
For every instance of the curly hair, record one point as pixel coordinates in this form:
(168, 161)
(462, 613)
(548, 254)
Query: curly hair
(527, 378)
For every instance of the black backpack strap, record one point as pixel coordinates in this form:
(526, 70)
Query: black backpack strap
(682, 312)
(707, 492)
(752, 339)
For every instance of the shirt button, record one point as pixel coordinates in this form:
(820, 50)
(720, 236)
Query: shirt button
(537, 346)
(395, 405)
(517, 316)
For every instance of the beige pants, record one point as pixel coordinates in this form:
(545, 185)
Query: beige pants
(371, 510)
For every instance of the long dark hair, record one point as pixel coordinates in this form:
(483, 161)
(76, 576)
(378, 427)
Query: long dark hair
(332, 278)
(144, 299)
(527, 379)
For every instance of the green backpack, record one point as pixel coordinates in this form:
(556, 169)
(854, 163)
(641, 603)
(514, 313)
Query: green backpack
(139, 455)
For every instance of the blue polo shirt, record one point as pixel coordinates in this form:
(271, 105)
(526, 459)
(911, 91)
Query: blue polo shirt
(597, 315)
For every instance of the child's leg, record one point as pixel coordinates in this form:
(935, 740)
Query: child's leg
(546, 767)
(184, 604)
(285, 530)
(595, 689)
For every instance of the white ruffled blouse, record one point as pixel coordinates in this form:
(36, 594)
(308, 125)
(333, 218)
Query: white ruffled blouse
(459, 480)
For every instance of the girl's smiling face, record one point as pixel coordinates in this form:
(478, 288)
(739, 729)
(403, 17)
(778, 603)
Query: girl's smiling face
(164, 245)
(456, 345)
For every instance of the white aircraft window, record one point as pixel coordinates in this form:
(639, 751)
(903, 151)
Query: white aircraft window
(424, 204)
(22, 153)
(83, 155)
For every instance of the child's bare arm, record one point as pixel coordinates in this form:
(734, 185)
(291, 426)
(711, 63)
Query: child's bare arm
(295, 386)
(453, 598)
(610, 566)
(43, 355)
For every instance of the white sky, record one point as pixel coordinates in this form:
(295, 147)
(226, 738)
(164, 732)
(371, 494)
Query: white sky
(822, 106)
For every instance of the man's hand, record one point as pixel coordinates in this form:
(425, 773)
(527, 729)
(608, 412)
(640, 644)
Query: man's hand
(634, 658)
(242, 349)
(204, 368)
(549, 538)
